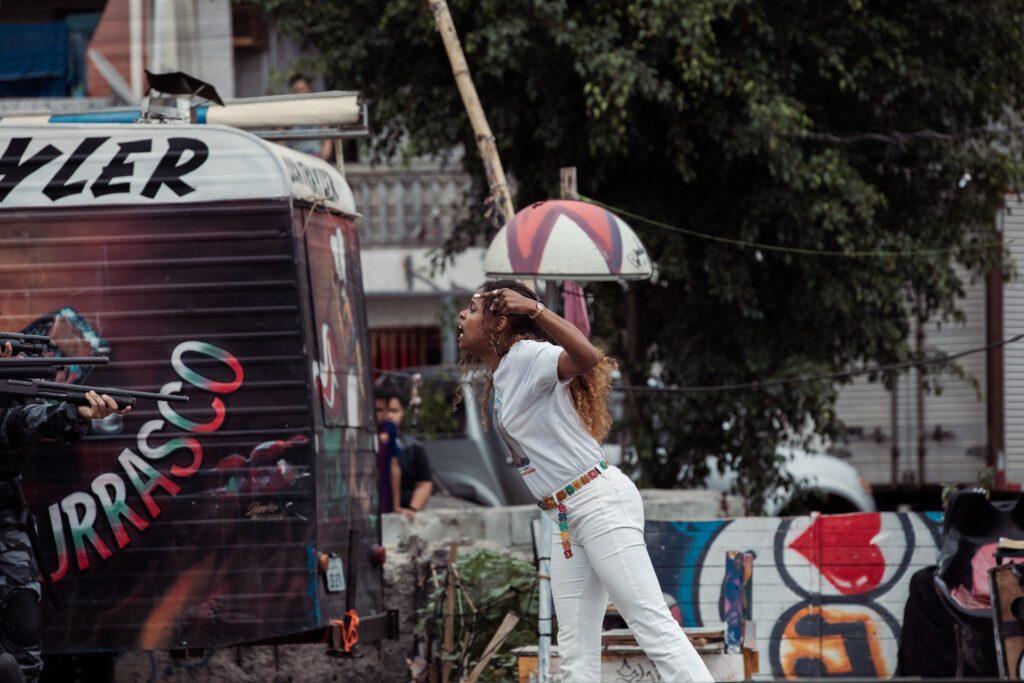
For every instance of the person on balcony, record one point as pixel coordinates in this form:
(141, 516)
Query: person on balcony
(323, 149)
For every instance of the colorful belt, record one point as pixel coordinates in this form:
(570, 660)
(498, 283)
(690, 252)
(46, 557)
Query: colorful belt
(557, 501)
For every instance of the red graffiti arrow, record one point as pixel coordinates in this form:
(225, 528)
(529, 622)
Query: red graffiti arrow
(843, 549)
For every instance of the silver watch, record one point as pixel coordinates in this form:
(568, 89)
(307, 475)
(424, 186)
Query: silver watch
(540, 309)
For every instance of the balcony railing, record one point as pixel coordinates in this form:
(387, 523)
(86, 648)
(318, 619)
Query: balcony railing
(418, 206)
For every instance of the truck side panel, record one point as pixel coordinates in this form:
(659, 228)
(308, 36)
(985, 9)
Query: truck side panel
(346, 491)
(176, 526)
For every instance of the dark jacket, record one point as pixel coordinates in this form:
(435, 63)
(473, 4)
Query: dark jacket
(25, 424)
(415, 467)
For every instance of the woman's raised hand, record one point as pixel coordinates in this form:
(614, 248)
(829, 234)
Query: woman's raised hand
(509, 302)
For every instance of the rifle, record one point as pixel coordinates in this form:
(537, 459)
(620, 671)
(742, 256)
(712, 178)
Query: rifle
(31, 344)
(27, 379)
(75, 393)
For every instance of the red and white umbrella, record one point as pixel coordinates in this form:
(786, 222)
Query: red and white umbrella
(563, 239)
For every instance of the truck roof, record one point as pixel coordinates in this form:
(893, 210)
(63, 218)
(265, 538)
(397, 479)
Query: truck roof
(58, 165)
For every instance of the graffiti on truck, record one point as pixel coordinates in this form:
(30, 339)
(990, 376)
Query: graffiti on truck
(77, 511)
(198, 523)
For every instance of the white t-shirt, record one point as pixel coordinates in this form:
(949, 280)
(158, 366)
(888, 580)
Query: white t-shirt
(534, 414)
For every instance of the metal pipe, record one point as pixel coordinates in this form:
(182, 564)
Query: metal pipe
(922, 436)
(995, 370)
(135, 47)
(894, 450)
(544, 610)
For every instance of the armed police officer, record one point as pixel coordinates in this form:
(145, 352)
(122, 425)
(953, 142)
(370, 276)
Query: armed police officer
(20, 609)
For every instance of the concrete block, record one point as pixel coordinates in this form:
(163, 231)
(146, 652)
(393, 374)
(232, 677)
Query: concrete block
(522, 536)
(497, 527)
(510, 526)
(674, 505)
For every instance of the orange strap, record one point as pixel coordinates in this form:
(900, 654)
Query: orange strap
(346, 630)
(349, 634)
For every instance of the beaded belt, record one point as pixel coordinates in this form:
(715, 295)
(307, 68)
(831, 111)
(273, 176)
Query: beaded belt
(557, 501)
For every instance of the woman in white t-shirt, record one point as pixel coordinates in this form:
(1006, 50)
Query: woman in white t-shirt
(551, 388)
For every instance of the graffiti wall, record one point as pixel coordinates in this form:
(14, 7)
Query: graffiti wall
(826, 593)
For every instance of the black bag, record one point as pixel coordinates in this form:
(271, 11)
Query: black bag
(939, 636)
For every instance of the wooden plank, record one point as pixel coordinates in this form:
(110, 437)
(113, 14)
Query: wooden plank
(508, 624)
(635, 666)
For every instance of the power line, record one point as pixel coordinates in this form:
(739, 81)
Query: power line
(878, 369)
(891, 137)
(757, 384)
(748, 244)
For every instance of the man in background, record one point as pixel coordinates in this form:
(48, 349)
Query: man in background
(412, 485)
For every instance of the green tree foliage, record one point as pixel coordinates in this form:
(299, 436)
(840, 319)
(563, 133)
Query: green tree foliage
(778, 121)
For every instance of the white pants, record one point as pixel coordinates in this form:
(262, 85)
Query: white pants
(606, 528)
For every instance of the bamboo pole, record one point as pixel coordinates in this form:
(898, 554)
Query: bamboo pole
(500, 194)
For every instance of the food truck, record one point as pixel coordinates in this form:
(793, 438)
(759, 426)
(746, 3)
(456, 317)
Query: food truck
(203, 260)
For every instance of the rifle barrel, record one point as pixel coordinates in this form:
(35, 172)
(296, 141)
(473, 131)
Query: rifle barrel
(58, 386)
(25, 337)
(53, 361)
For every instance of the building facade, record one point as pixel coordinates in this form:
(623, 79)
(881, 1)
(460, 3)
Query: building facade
(407, 211)
(935, 429)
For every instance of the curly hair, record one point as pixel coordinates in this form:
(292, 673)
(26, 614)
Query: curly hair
(590, 391)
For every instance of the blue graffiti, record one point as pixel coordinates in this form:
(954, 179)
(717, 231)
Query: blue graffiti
(682, 546)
